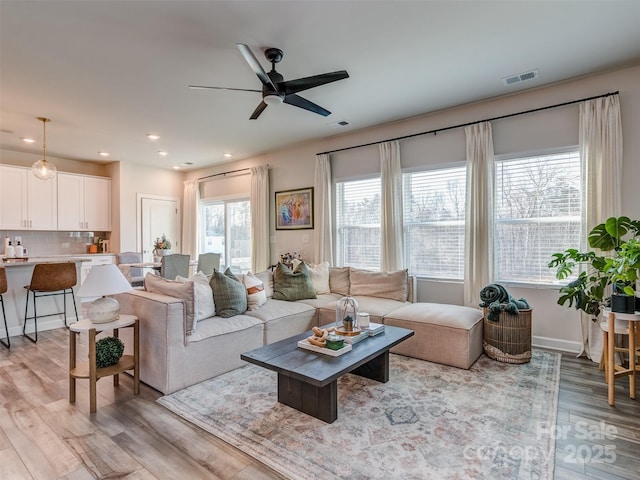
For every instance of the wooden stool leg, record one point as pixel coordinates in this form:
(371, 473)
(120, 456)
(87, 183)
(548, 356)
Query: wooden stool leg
(610, 359)
(632, 359)
(605, 356)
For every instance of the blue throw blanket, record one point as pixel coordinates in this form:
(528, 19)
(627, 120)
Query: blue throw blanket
(496, 298)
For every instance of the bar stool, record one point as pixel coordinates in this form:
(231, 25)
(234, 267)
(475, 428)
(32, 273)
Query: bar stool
(613, 370)
(3, 289)
(50, 279)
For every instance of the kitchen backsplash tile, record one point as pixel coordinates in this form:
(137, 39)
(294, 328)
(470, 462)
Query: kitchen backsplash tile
(41, 243)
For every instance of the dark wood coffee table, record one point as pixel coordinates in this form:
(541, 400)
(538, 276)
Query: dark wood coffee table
(308, 381)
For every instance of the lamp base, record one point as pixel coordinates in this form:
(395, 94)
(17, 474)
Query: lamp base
(103, 310)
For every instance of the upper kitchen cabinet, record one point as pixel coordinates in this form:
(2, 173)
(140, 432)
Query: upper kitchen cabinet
(84, 202)
(26, 202)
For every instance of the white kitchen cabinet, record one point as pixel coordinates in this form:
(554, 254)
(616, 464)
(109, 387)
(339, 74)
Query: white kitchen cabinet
(84, 203)
(26, 202)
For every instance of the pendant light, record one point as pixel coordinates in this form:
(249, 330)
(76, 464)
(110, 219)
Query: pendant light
(42, 169)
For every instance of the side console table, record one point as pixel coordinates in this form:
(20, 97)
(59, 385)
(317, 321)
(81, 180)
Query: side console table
(88, 369)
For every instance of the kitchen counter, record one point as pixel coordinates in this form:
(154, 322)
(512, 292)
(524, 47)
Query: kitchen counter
(19, 274)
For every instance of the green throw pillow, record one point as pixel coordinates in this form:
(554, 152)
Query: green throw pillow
(229, 294)
(292, 285)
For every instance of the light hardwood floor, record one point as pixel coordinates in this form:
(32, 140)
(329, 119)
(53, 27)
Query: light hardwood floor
(43, 436)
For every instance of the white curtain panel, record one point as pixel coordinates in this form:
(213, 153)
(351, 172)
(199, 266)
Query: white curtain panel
(260, 257)
(322, 234)
(191, 228)
(478, 239)
(601, 153)
(391, 227)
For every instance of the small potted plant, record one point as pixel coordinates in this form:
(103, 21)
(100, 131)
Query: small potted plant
(161, 246)
(607, 279)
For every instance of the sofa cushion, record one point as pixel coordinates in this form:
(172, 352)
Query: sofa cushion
(391, 285)
(321, 300)
(203, 296)
(339, 280)
(274, 309)
(229, 294)
(377, 308)
(256, 296)
(292, 285)
(215, 326)
(182, 290)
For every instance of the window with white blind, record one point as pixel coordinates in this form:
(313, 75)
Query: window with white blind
(226, 229)
(434, 208)
(538, 211)
(358, 223)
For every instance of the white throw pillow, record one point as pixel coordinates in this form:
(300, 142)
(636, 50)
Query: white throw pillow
(203, 296)
(256, 295)
(320, 277)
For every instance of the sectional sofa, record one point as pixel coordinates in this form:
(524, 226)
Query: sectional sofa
(174, 354)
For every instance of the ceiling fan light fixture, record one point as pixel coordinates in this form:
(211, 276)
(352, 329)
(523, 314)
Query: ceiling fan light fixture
(273, 99)
(42, 169)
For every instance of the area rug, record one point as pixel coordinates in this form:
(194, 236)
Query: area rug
(430, 421)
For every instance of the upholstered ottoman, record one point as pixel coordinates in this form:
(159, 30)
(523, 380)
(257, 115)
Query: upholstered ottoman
(448, 334)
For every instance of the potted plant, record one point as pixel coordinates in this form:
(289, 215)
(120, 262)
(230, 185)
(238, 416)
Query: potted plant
(161, 246)
(616, 270)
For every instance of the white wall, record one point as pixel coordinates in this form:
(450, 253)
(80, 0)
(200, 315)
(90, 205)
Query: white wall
(552, 325)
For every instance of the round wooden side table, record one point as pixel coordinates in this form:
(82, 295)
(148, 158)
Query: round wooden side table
(88, 369)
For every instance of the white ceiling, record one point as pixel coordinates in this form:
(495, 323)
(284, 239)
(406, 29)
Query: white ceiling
(108, 72)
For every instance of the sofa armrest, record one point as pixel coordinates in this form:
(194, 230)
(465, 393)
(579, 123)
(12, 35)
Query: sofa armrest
(162, 337)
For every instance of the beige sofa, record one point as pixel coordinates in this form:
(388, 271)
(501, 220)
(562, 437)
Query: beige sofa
(171, 360)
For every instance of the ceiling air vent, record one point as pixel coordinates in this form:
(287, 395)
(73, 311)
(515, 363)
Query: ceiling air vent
(520, 77)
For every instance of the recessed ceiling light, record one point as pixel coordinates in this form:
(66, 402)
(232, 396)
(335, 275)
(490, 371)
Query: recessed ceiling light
(176, 167)
(104, 154)
(28, 140)
(228, 155)
(152, 136)
(163, 153)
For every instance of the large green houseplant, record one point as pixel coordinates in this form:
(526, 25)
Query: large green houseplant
(617, 266)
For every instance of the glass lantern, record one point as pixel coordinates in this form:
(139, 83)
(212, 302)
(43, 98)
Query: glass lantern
(347, 316)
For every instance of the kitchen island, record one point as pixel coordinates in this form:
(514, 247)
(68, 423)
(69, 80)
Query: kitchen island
(18, 275)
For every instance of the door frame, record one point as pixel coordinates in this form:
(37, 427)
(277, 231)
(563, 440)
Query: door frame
(148, 196)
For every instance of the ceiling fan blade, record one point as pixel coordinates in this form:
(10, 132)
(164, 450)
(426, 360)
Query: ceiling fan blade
(204, 87)
(300, 84)
(255, 66)
(305, 104)
(259, 109)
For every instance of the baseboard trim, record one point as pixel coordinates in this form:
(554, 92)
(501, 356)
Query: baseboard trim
(557, 344)
(43, 325)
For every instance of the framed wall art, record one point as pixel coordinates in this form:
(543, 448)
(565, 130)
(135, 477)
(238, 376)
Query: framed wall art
(294, 209)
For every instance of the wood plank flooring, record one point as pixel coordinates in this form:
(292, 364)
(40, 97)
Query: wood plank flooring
(43, 436)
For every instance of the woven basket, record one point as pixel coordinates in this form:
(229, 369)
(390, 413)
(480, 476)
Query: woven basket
(509, 339)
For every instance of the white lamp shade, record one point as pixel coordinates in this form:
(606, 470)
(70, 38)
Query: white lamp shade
(104, 280)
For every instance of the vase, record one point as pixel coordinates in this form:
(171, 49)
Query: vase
(163, 252)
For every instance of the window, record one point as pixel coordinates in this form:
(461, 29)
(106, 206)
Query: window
(227, 231)
(434, 206)
(538, 211)
(358, 223)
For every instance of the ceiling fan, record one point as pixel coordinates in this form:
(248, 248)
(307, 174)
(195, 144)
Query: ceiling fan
(275, 90)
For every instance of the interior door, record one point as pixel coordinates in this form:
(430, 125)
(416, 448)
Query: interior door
(158, 217)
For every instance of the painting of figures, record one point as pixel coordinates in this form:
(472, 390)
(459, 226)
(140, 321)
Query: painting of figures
(294, 209)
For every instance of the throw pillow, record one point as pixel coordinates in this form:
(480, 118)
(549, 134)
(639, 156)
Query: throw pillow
(392, 285)
(339, 280)
(229, 294)
(256, 296)
(320, 277)
(292, 285)
(266, 278)
(182, 290)
(203, 296)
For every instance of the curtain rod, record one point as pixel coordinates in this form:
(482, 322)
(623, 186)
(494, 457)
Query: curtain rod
(226, 173)
(435, 131)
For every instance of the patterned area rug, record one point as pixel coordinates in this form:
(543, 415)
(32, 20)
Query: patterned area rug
(429, 421)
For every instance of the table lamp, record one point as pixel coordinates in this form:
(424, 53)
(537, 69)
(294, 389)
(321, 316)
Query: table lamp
(103, 280)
